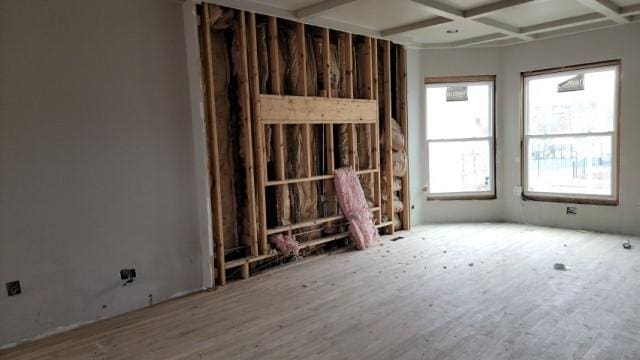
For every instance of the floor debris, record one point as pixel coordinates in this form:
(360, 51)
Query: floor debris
(397, 238)
(561, 267)
(626, 245)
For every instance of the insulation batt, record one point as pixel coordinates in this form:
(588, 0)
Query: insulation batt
(399, 160)
(396, 186)
(362, 230)
(221, 79)
(303, 196)
(286, 244)
(397, 137)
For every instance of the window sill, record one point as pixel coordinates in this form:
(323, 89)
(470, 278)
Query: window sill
(569, 200)
(461, 197)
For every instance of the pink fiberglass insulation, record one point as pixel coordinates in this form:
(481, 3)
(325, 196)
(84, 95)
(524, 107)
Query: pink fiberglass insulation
(353, 204)
(286, 244)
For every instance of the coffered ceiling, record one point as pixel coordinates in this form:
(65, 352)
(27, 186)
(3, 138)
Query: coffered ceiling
(452, 23)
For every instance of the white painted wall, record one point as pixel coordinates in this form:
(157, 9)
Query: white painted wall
(96, 161)
(507, 63)
(416, 136)
(453, 62)
(614, 43)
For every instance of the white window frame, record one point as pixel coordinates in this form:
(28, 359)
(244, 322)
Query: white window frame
(525, 137)
(465, 81)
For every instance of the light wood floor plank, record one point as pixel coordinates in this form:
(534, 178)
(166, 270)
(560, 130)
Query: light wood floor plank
(459, 291)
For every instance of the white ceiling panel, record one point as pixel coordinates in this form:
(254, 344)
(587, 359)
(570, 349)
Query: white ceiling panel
(379, 14)
(626, 2)
(539, 12)
(438, 34)
(289, 4)
(467, 4)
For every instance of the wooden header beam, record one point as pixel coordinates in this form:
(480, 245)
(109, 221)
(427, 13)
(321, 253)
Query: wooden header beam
(276, 109)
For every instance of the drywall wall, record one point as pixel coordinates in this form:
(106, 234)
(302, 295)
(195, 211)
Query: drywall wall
(96, 161)
(416, 137)
(453, 62)
(507, 63)
(613, 43)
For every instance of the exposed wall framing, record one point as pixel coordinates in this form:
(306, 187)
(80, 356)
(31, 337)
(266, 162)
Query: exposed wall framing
(287, 104)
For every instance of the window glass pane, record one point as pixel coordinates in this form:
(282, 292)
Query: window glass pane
(459, 166)
(570, 165)
(459, 119)
(550, 111)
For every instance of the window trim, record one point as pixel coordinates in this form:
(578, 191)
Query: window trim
(484, 195)
(607, 200)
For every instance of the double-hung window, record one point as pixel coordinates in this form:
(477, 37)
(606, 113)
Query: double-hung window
(570, 146)
(460, 137)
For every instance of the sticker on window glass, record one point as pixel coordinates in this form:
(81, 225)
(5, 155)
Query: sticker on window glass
(576, 83)
(457, 93)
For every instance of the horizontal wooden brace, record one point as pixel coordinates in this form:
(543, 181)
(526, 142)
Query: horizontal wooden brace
(251, 259)
(300, 225)
(276, 109)
(247, 260)
(315, 178)
(384, 224)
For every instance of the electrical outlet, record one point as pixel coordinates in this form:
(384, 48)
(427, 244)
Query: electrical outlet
(14, 288)
(572, 210)
(126, 274)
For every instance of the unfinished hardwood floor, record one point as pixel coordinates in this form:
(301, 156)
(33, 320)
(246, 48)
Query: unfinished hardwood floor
(465, 291)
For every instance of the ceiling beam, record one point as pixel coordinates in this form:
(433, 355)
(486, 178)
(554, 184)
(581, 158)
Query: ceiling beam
(607, 8)
(563, 23)
(630, 10)
(504, 28)
(576, 29)
(415, 26)
(474, 15)
(492, 8)
(480, 40)
(320, 7)
(441, 9)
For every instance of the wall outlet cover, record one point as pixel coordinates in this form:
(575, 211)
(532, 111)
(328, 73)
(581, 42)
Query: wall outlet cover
(14, 288)
(126, 274)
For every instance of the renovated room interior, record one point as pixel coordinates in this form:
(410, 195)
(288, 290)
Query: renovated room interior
(319, 179)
